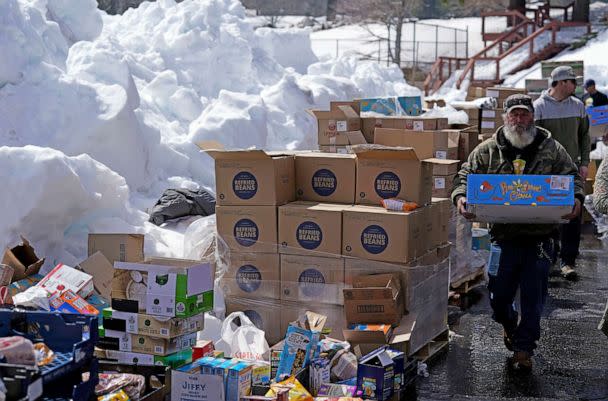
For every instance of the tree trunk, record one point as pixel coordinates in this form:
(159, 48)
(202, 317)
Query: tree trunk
(580, 12)
(518, 5)
(398, 33)
(332, 6)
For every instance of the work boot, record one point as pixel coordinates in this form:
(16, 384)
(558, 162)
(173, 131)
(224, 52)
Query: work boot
(568, 272)
(522, 361)
(508, 340)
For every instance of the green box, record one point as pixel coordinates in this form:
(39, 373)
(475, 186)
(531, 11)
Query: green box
(163, 287)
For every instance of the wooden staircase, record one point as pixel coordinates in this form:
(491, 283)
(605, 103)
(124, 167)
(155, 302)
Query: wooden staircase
(524, 32)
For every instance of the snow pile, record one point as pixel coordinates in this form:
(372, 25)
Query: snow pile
(136, 93)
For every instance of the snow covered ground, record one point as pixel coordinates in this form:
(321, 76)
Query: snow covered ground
(99, 114)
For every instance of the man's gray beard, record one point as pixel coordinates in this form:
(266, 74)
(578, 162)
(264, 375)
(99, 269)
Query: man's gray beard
(522, 140)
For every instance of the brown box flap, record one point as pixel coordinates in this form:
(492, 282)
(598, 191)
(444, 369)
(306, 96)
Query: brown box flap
(251, 154)
(379, 152)
(23, 260)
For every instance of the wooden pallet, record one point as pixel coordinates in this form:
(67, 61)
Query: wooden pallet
(434, 347)
(468, 282)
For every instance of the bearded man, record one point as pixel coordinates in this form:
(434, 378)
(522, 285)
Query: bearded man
(561, 113)
(519, 147)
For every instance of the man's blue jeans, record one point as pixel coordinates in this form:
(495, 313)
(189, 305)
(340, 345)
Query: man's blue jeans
(524, 265)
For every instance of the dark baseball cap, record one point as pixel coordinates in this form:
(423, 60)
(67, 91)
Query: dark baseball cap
(518, 101)
(589, 82)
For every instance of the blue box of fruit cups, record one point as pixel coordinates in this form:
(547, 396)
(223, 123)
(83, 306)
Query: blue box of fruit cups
(524, 199)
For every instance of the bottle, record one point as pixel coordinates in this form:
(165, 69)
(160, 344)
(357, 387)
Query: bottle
(399, 205)
(494, 260)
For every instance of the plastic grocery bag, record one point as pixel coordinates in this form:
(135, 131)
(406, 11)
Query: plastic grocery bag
(245, 341)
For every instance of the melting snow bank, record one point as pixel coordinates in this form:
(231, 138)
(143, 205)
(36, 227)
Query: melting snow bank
(115, 104)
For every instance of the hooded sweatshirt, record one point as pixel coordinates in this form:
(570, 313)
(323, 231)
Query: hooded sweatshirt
(568, 123)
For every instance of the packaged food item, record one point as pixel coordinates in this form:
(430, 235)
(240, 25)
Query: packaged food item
(5, 296)
(17, 350)
(300, 346)
(44, 355)
(297, 392)
(110, 383)
(399, 205)
(119, 395)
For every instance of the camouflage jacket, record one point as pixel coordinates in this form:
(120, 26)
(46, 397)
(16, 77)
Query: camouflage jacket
(495, 156)
(600, 189)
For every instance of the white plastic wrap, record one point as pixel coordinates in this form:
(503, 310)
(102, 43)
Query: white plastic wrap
(34, 297)
(199, 239)
(600, 220)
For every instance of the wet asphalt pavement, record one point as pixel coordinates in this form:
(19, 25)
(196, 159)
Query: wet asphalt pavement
(571, 362)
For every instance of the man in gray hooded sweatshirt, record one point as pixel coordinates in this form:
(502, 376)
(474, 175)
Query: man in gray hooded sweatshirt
(561, 113)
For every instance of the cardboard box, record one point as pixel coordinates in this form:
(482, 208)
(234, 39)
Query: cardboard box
(443, 167)
(98, 266)
(442, 186)
(325, 177)
(540, 199)
(364, 335)
(163, 287)
(253, 275)
(253, 177)
(474, 92)
(334, 105)
(430, 231)
(330, 123)
(265, 314)
(336, 322)
(118, 247)
(342, 150)
(374, 299)
(22, 258)
(70, 302)
(238, 381)
(598, 121)
(376, 375)
(150, 325)
(392, 106)
(299, 348)
(384, 173)
(427, 144)
(537, 85)
(369, 124)
(310, 228)
(196, 387)
(375, 233)
(502, 92)
(474, 115)
(248, 229)
(134, 358)
(441, 219)
(341, 142)
(312, 279)
(64, 277)
(121, 341)
(468, 139)
(6, 275)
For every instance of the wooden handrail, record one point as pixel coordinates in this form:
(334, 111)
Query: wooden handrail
(431, 75)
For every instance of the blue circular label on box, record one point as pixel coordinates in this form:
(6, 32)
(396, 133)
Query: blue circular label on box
(309, 235)
(311, 282)
(324, 182)
(244, 185)
(246, 232)
(374, 239)
(249, 278)
(255, 318)
(387, 185)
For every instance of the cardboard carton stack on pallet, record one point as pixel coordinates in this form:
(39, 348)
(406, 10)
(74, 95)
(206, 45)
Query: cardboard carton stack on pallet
(157, 304)
(298, 227)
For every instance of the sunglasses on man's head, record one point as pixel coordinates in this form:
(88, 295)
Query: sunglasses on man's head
(518, 102)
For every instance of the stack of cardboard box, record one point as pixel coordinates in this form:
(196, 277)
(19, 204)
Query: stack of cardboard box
(298, 227)
(158, 304)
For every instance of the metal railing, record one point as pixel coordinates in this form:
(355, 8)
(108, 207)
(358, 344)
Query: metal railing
(411, 54)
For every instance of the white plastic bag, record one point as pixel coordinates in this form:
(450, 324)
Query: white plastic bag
(34, 297)
(245, 341)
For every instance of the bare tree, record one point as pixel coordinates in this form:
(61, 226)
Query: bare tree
(390, 13)
(580, 12)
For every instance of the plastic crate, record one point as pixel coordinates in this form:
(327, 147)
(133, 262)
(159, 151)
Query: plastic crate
(71, 337)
